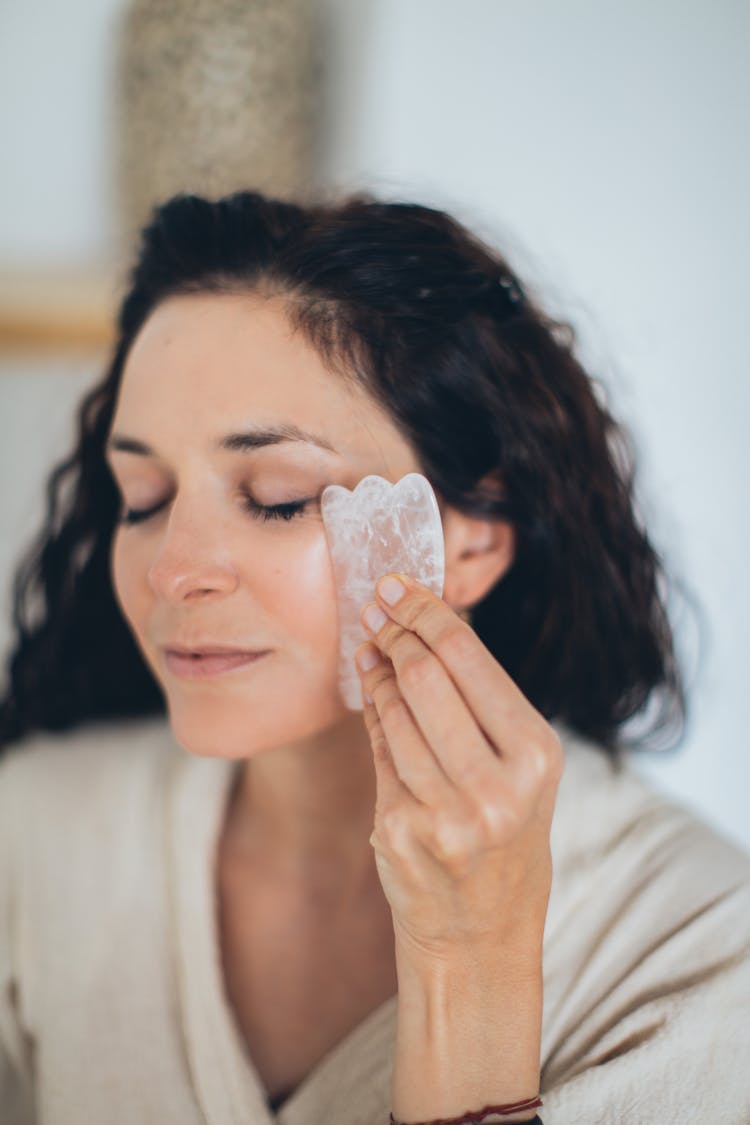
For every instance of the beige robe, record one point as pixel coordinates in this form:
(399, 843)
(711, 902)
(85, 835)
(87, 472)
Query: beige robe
(112, 1009)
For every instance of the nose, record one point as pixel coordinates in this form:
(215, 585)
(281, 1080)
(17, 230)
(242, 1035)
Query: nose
(194, 555)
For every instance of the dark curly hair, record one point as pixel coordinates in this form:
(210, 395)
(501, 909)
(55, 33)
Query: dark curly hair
(482, 384)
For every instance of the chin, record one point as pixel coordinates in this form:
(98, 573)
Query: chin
(216, 727)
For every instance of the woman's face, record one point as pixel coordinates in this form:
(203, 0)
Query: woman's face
(205, 567)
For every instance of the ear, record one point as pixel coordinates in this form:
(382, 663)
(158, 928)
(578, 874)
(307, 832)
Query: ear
(478, 552)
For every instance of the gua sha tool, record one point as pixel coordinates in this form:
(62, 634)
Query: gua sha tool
(377, 528)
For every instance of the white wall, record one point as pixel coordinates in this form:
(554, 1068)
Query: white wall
(56, 124)
(603, 147)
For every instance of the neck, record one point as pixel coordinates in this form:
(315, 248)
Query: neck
(305, 813)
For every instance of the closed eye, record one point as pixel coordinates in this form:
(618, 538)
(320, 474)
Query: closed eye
(257, 511)
(275, 511)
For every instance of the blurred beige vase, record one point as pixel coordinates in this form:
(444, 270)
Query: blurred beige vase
(215, 96)
(372, 530)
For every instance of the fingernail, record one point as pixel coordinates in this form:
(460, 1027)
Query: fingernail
(390, 589)
(367, 659)
(375, 618)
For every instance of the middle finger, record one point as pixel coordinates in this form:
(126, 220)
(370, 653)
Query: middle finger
(416, 765)
(439, 710)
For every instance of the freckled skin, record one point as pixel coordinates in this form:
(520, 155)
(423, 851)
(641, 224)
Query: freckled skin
(203, 565)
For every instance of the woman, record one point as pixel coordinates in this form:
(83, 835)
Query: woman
(225, 895)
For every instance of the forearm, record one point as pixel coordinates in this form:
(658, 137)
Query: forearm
(468, 1035)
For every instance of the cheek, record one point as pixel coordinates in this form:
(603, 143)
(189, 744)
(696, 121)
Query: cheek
(298, 594)
(302, 589)
(125, 580)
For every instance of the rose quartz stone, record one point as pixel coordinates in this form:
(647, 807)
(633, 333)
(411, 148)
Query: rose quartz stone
(373, 530)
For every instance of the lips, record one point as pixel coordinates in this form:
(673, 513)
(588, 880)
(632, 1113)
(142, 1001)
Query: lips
(197, 665)
(212, 650)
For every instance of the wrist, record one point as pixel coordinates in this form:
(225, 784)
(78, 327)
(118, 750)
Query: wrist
(518, 1111)
(468, 1033)
(485, 968)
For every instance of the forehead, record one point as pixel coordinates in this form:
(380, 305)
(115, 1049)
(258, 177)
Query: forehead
(205, 364)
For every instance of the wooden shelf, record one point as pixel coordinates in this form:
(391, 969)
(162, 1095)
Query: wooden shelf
(44, 310)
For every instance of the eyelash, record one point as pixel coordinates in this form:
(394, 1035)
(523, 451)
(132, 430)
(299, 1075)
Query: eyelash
(284, 512)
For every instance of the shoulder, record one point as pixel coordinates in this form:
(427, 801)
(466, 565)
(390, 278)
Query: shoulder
(607, 811)
(605, 806)
(49, 780)
(89, 745)
(81, 840)
(640, 880)
(647, 951)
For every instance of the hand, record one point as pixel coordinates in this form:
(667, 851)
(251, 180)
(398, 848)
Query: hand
(467, 773)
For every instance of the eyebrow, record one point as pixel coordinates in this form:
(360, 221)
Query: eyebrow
(244, 442)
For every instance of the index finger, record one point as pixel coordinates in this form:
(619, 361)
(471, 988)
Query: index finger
(499, 706)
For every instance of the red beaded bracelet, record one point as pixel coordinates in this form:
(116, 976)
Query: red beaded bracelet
(478, 1115)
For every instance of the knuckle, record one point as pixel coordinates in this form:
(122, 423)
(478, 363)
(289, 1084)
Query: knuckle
(449, 843)
(391, 639)
(546, 753)
(392, 710)
(391, 822)
(379, 742)
(378, 675)
(417, 608)
(456, 642)
(379, 670)
(372, 720)
(417, 670)
(556, 755)
(395, 829)
(392, 632)
(383, 641)
(498, 818)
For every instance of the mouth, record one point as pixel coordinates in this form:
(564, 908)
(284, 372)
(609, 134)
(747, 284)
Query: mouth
(209, 661)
